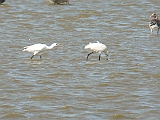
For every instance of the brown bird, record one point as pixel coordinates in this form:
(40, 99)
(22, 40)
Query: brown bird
(155, 23)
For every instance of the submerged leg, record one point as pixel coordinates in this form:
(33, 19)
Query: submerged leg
(32, 56)
(158, 31)
(89, 54)
(99, 56)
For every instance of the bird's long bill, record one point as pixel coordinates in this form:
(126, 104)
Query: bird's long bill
(59, 45)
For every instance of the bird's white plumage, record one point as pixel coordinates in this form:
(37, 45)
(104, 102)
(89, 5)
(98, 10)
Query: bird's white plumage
(36, 48)
(155, 26)
(97, 47)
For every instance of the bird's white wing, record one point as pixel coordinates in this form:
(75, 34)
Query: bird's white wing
(35, 47)
(88, 46)
(98, 47)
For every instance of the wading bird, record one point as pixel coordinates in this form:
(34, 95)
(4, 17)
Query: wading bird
(37, 48)
(2, 1)
(155, 23)
(97, 47)
(59, 1)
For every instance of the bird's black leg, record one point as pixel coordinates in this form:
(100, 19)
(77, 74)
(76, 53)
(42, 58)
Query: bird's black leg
(99, 56)
(158, 31)
(40, 57)
(32, 56)
(89, 54)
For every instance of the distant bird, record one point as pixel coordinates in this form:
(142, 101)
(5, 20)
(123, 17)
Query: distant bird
(37, 48)
(97, 47)
(59, 1)
(155, 23)
(2, 1)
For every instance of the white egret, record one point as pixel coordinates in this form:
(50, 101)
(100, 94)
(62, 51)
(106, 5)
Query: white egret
(97, 47)
(37, 48)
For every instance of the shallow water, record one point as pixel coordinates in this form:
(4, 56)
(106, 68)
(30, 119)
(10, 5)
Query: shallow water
(63, 85)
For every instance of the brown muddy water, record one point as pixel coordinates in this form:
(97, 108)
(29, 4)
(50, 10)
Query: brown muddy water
(63, 85)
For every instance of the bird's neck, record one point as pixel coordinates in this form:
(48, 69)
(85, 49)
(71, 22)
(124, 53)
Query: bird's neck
(50, 47)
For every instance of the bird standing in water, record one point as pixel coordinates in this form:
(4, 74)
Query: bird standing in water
(97, 47)
(37, 48)
(155, 23)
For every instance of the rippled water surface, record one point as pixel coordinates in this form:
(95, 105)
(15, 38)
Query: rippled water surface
(63, 85)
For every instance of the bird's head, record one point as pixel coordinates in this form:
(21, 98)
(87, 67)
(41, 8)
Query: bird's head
(153, 15)
(54, 44)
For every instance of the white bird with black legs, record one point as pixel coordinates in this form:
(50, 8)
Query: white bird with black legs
(38, 48)
(97, 47)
